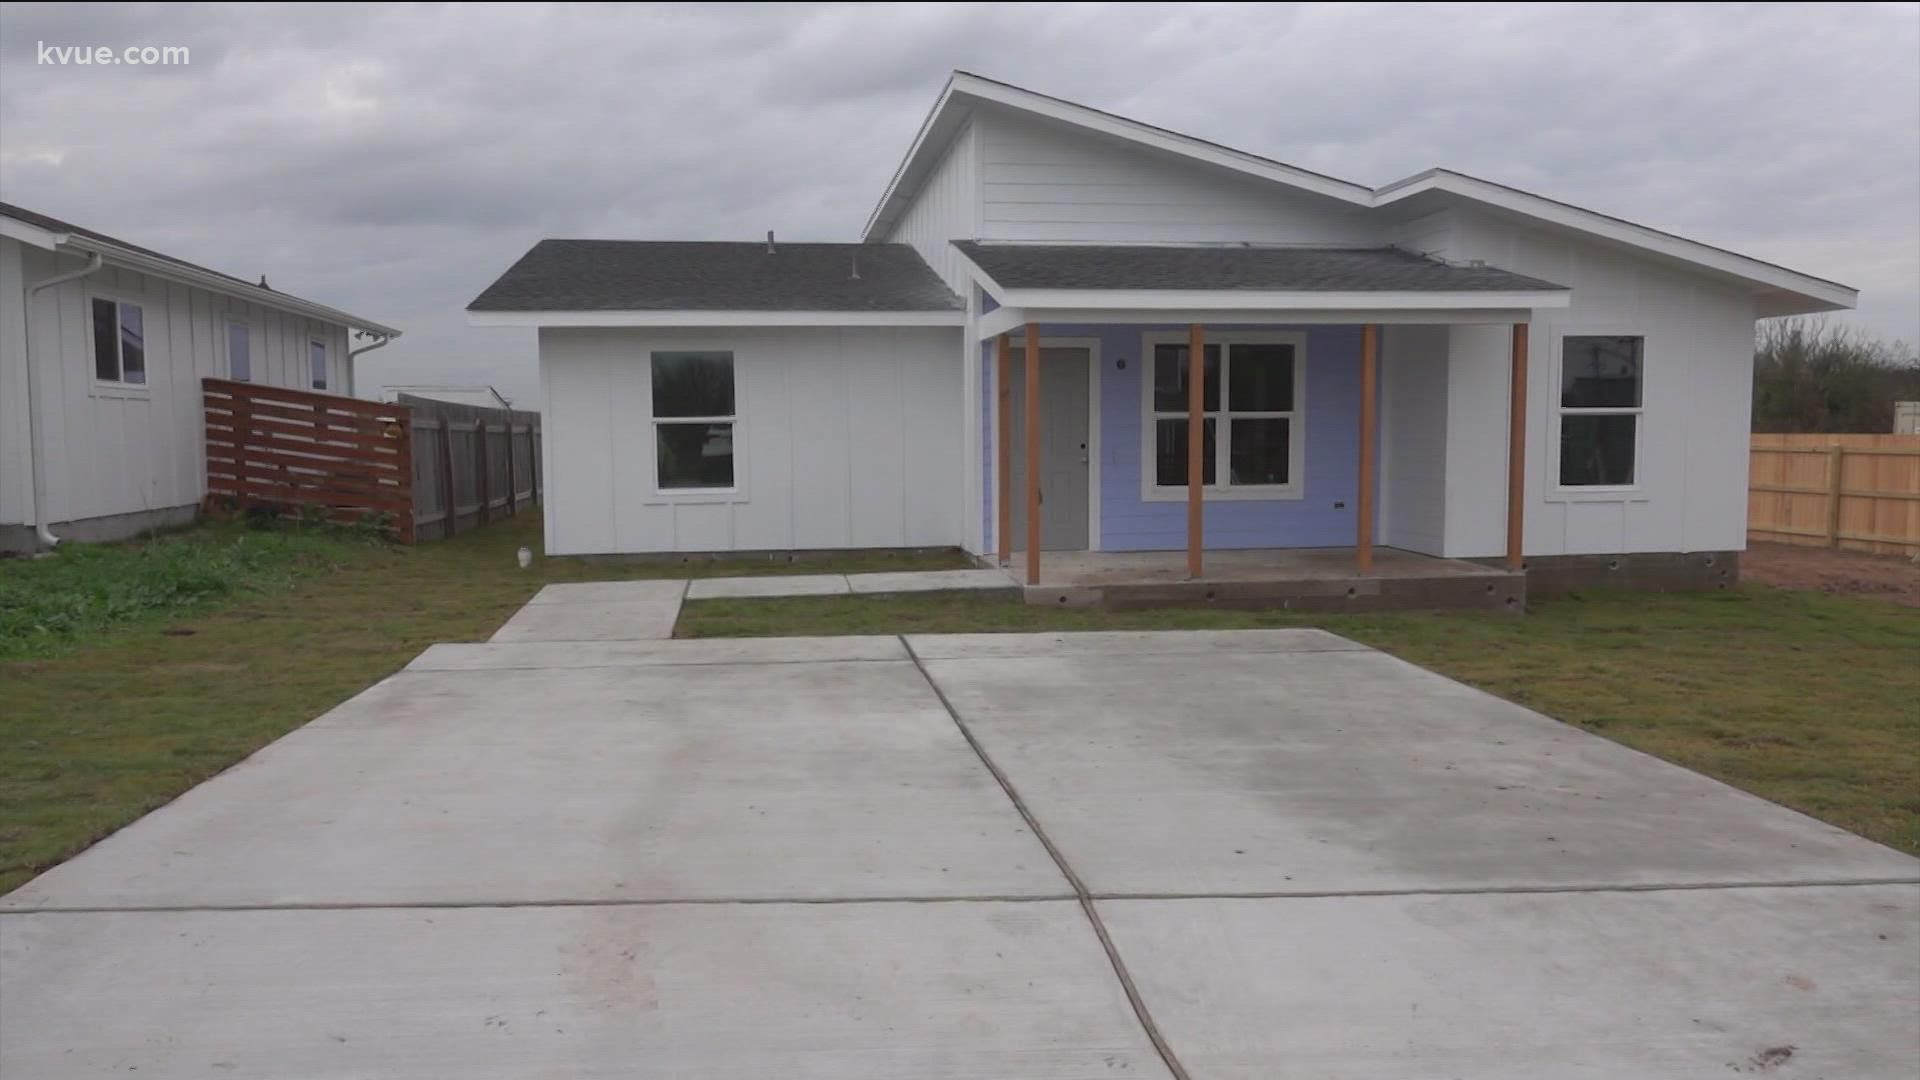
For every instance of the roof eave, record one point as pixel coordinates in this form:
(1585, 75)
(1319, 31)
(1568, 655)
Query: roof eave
(710, 318)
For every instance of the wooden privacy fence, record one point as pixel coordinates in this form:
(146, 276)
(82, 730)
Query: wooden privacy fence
(471, 465)
(1860, 492)
(272, 446)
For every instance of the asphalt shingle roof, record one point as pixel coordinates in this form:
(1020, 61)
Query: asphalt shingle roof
(671, 275)
(1276, 269)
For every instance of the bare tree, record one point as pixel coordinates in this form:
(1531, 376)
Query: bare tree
(1812, 375)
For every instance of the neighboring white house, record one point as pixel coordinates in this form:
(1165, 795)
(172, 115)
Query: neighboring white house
(756, 396)
(102, 348)
(483, 397)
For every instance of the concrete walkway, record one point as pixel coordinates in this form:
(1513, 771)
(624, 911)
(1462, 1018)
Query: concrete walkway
(1212, 855)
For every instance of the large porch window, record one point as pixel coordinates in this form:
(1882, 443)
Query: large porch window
(1255, 430)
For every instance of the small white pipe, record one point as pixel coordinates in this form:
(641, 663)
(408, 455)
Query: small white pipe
(34, 456)
(379, 341)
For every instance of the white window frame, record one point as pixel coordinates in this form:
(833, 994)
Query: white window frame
(97, 386)
(226, 344)
(696, 495)
(1220, 490)
(326, 365)
(1556, 413)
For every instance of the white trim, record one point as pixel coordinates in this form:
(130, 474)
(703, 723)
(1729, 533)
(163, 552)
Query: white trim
(1017, 344)
(1556, 492)
(117, 388)
(1565, 215)
(656, 495)
(1221, 491)
(1018, 316)
(14, 229)
(1222, 299)
(326, 364)
(956, 317)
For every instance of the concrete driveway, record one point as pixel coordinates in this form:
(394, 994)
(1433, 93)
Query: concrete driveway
(1235, 854)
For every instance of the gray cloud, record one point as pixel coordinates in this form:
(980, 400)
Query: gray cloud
(392, 160)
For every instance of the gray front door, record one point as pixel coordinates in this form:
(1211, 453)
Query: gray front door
(1063, 449)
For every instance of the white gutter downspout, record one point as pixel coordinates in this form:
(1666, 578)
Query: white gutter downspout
(379, 340)
(38, 494)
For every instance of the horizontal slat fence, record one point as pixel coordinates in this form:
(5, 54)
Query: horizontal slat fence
(272, 446)
(1858, 492)
(471, 465)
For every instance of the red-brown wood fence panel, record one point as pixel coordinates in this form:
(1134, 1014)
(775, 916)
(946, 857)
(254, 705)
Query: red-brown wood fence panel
(268, 445)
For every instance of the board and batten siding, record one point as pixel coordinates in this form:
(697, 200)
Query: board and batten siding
(123, 450)
(845, 438)
(1698, 375)
(945, 209)
(1042, 180)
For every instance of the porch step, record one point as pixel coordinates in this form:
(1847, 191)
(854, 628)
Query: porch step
(1492, 590)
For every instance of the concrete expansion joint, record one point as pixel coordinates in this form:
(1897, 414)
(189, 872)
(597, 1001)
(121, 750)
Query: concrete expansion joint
(1086, 899)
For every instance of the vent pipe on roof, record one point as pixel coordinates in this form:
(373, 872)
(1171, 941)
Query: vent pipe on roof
(769, 241)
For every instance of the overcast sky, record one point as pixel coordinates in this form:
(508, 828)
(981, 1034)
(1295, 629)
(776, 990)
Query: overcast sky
(391, 161)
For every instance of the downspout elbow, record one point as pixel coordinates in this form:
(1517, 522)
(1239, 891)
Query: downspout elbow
(38, 490)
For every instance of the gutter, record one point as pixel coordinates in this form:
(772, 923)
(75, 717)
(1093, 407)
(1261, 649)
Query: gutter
(35, 459)
(380, 340)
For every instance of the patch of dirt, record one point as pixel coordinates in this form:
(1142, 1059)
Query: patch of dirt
(1839, 573)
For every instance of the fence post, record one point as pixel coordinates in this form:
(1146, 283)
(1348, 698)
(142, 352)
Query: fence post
(513, 482)
(1836, 468)
(411, 517)
(480, 468)
(452, 520)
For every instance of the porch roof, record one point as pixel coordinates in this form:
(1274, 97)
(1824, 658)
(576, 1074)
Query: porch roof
(1219, 283)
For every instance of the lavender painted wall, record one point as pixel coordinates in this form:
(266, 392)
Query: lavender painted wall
(1330, 457)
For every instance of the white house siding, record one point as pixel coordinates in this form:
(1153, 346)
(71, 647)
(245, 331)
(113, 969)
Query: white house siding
(1413, 438)
(845, 438)
(1046, 181)
(1692, 461)
(945, 209)
(113, 451)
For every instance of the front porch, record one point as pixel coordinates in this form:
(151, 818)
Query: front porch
(1302, 579)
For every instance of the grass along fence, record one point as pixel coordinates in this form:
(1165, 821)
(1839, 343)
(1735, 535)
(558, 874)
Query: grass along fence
(471, 466)
(1859, 492)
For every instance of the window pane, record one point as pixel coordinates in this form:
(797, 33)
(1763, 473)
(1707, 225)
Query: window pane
(1170, 379)
(693, 384)
(695, 455)
(1596, 451)
(1260, 378)
(239, 352)
(1600, 372)
(133, 345)
(1170, 455)
(106, 336)
(1259, 451)
(317, 359)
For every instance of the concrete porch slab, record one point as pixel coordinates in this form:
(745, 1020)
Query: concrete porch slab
(729, 992)
(924, 581)
(1352, 771)
(1303, 579)
(1794, 982)
(671, 782)
(767, 585)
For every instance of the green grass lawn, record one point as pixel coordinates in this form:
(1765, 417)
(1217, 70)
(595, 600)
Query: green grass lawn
(132, 672)
(1806, 699)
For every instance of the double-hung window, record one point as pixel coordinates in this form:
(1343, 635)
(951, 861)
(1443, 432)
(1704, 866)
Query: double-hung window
(1600, 409)
(1254, 429)
(239, 351)
(119, 342)
(693, 421)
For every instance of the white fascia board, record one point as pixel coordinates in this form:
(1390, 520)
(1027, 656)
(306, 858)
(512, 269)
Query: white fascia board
(1620, 231)
(1242, 300)
(907, 163)
(716, 318)
(1256, 316)
(147, 264)
(34, 235)
(1002, 320)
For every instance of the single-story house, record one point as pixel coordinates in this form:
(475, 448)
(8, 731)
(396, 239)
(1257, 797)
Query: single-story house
(102, 348)
(1443, 365)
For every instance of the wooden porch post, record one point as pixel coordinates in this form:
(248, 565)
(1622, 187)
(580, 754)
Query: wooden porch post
(1369, 437)
(1196, 443)
(1003, 447)
(1033, 453)
(1517, 449)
